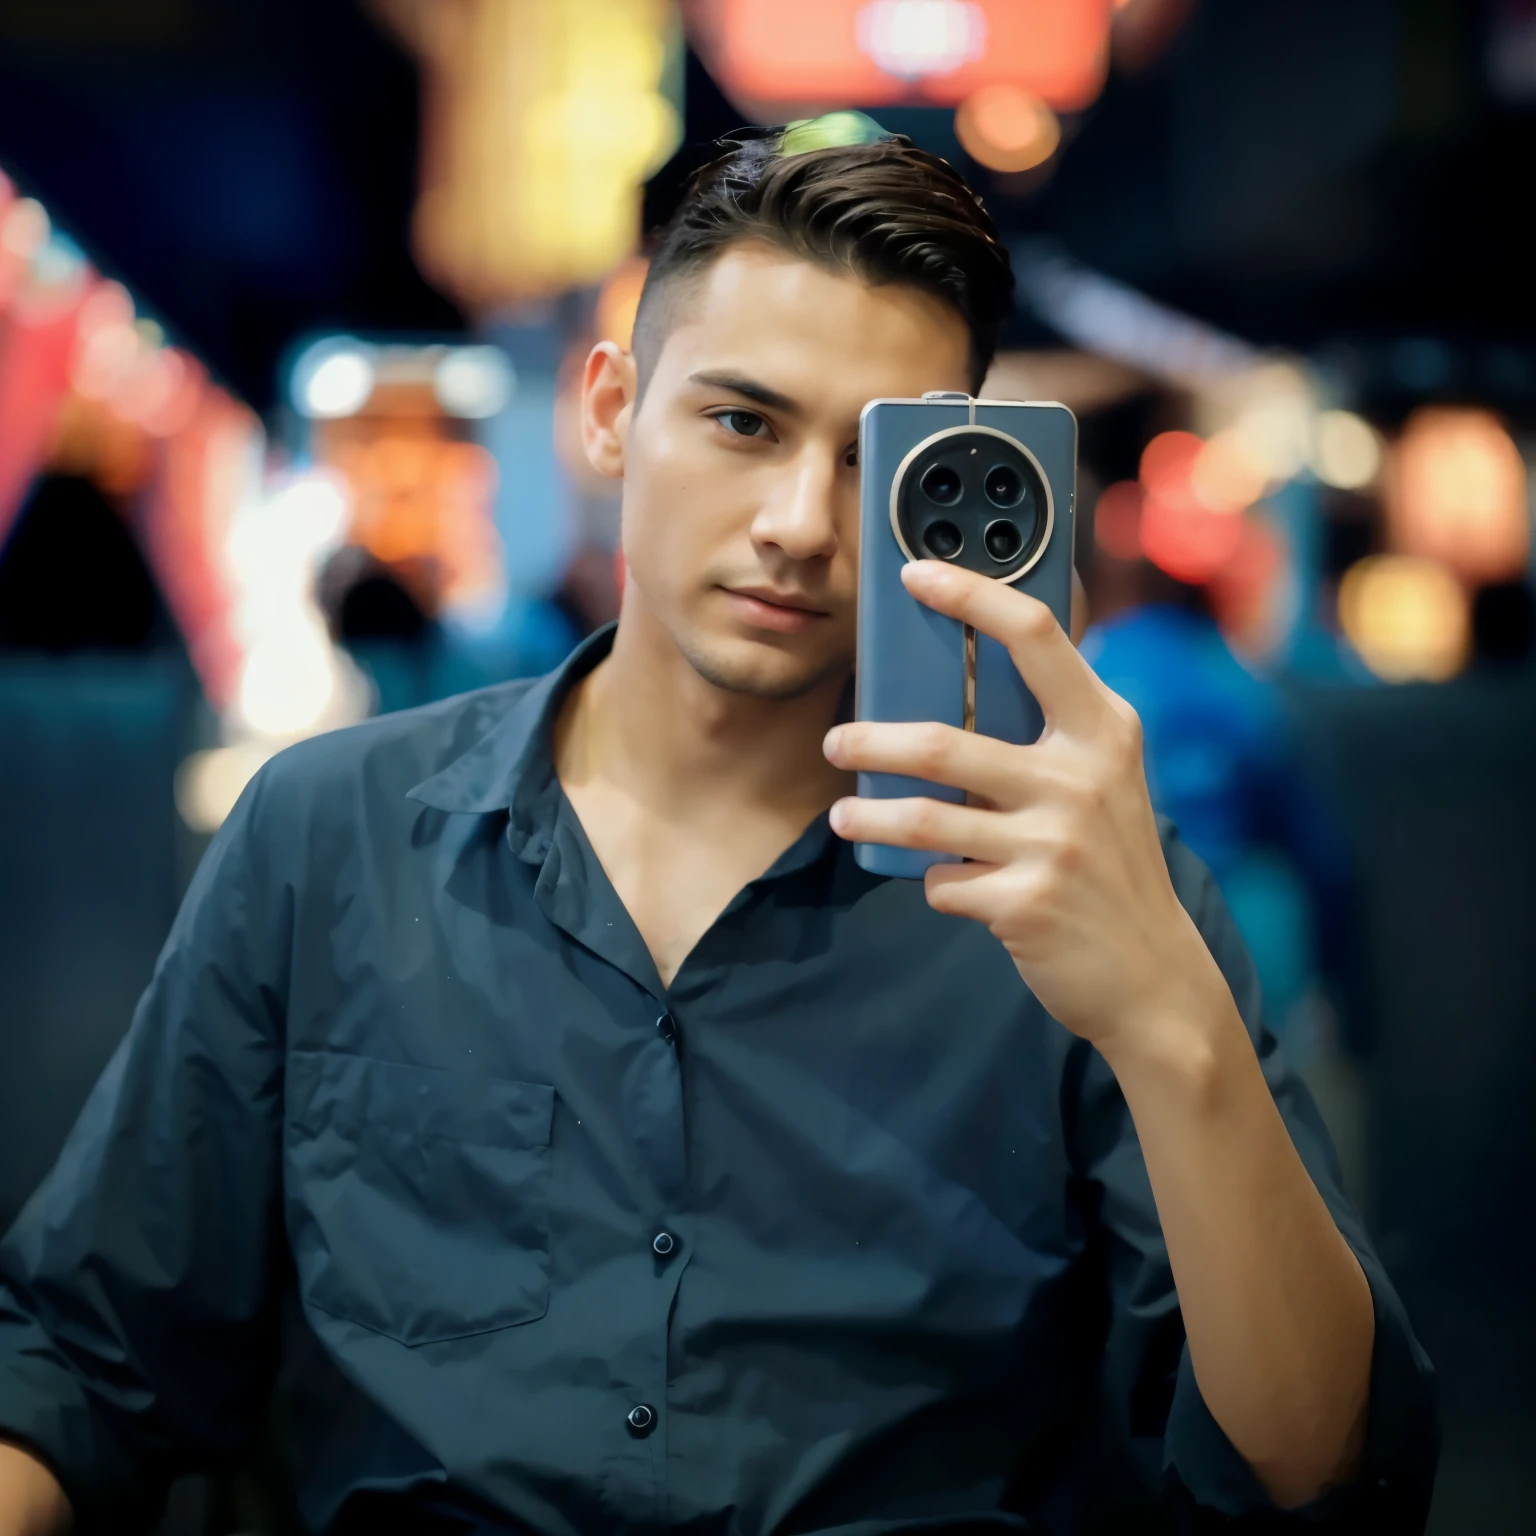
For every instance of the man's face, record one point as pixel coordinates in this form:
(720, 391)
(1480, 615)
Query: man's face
(741, 480)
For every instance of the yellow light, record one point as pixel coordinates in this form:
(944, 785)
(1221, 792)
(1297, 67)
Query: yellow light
(1346, 453)
(1007, 128)
(1456, 492)
(1408, 618)
(543, 121)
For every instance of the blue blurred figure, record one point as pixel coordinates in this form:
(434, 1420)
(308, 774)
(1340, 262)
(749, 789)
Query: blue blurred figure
(1220, 764)
(411, 658)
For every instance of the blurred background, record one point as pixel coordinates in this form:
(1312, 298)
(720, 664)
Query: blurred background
(293, 299)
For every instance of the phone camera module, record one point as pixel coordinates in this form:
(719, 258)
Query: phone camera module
(1004, 486)
(941, 485)
(1003, 540)
(942, 539)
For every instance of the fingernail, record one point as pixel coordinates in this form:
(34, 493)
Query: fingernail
(833, 741)
(838, 815)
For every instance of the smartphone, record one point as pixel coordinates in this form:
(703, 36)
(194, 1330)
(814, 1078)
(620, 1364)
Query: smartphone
(984, 484)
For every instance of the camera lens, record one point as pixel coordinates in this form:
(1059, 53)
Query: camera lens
(941, 484)
(1004, 485)
(1003, 540)
(942, 539)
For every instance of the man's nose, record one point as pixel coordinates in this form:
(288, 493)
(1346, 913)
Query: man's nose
(800, 518)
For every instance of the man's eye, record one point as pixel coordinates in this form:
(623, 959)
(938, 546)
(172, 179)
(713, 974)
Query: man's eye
(743, 423)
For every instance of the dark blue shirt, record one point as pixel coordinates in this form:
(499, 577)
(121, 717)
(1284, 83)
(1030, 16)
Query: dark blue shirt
(839, 1232)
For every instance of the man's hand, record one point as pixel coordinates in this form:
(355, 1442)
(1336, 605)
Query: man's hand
(1067, 869)
(31, 1501)
(1069, 873)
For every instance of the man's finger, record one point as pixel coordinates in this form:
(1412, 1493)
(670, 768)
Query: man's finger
(995, 771)
(1062, 682)
(960, 890)
(931, 825)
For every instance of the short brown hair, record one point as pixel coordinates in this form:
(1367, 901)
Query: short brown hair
(888, 211)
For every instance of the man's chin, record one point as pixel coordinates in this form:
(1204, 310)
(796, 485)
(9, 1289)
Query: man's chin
(760, 670)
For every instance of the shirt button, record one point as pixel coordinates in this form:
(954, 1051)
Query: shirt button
(641, 1420)
(663, 1244)
(668, 1028)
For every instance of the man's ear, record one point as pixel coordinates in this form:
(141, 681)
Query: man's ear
(608, 387)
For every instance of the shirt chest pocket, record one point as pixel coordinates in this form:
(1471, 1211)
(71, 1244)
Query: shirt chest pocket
(418, 1198)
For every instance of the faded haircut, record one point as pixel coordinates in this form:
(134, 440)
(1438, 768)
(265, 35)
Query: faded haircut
(885, 210)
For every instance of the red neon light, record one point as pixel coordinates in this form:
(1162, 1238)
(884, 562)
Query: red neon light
(820, 53)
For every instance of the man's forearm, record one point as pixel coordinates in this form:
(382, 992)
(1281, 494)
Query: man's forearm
(31, 1501)
(1276, 1308)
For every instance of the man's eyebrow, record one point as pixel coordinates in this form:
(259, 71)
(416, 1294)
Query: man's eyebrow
(749, 389)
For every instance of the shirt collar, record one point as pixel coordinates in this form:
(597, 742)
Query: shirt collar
(512, 767)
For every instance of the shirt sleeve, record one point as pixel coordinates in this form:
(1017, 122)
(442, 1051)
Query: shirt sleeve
(1151, 1399)
(137, 1305)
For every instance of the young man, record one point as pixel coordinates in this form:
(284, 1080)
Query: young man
(535, 1089)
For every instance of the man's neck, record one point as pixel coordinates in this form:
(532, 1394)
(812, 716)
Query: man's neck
(686, 790)
(687, 750)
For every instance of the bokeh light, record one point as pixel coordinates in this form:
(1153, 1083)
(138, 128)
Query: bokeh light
(1007, 128)
(209, 783)
(1346, 452)
(542, 124)
(473, 382)
(333, 378)
(1456, 493)
(1407, 617)
(1181, 533)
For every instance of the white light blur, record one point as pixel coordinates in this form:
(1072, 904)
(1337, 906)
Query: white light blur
(289, 680)
(474, 382)
(293, 681)
(1346, 452)
(913, 38)
(333, 378)
(209, 783)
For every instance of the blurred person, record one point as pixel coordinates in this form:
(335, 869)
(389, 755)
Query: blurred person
(410, 657)
(537, 1088)
(1221, 765)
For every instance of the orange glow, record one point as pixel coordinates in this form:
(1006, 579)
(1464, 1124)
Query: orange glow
(815, 54)
(1408, 618)
(1456, 493)
(1006, 128)
(618, 301)
(422, 504)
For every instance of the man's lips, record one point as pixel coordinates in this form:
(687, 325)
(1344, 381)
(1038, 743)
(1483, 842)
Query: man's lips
(765, 608)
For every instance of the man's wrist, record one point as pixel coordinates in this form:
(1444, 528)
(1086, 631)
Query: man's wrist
(1182, 1040)
(31, 1501)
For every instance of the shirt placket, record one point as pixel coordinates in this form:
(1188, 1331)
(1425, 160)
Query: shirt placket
(574, 893)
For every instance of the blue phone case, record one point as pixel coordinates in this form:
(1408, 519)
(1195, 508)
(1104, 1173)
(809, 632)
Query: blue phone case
(911, 660)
